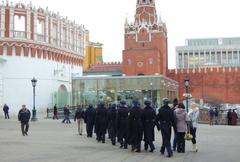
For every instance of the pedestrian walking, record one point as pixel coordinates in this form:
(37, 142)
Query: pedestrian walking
(79, 117)
(89, 119)
(181, 125)
(66, 113)
(24, 116)
(6, 111)
(211, 115)
(229, 117)
(234, 118)
(175, 104)
(122, 124)
(148, 119)
(216, 115)
(135, 127)
(101, 122)
(164, 121)
(55, 112)
(112, 115)
(193, 118)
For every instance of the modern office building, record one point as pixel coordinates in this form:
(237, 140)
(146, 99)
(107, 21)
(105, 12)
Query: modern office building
(212, 52)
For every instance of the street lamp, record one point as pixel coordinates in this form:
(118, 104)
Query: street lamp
(186, 83)
(34, 83)
(151, 84)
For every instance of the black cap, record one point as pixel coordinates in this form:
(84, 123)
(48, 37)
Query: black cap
(147, 103)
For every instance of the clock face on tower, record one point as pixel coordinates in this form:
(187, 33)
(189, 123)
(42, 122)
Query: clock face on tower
(139, 64)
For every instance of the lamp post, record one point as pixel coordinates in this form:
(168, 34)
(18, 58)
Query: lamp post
(186, 83)
(151, 84)
(34, 83)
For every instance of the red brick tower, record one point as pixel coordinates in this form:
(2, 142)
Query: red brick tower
(145, 50)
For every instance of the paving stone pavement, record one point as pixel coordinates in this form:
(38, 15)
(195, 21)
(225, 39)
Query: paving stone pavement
(52, 141)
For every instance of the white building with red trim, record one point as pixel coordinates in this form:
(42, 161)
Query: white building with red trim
(41, 44)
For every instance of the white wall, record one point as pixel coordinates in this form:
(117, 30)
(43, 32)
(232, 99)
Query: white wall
(17, 73)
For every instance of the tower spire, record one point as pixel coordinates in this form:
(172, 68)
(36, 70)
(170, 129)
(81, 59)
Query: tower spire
(145, 11)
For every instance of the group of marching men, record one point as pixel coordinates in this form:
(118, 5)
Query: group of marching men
(130, 125)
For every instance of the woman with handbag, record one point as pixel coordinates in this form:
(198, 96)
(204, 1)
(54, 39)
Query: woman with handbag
(193, 117)
(182, 119)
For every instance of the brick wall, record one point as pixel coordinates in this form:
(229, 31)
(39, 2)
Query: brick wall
(219, 84)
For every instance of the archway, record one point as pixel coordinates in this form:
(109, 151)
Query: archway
(62, 96)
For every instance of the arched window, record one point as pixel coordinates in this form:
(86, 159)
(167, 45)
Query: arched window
(129, 61)
(19, 26)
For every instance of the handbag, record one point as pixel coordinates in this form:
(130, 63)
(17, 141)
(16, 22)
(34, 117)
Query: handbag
(188, 136)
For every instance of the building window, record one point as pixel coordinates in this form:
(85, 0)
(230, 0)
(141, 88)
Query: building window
(235, 57)
(185, 60)
(213, 57)
(150, 61)
(129, 61)
(230, 57)
(180, 61)
(224, 58)
(218, 57)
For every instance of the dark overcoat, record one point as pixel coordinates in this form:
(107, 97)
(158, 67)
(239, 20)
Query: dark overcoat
(101, 120)
(148, 119)
(122, 122)
(135, 125)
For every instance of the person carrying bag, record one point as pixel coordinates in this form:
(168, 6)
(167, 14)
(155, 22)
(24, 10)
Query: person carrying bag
(192, 126)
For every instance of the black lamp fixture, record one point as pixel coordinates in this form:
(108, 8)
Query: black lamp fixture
(34, 83)
(186, 83)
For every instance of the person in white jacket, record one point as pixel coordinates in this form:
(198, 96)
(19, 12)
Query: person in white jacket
(193, 117)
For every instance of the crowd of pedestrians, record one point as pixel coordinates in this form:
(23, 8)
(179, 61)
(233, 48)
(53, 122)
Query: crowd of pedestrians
(130, 125)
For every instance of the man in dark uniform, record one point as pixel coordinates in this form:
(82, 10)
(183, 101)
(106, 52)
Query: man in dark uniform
(89, 119)
(24, 116)
(101, 122)
(164, 121)
(6, 109)
(148, 118)
(135, 127)
(112, 114)
(122, 124)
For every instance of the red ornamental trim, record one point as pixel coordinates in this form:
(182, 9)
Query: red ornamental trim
(41, 51)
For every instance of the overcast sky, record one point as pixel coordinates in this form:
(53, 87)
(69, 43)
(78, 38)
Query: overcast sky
(184, 19)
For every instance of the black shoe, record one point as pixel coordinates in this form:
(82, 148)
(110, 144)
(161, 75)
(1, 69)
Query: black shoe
(121, 146)
(138, 151)
(169, 155)
(80, 134)
(162, 153)
(25, 133)
(151, 150)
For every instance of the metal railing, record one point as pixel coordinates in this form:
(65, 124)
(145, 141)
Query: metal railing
(40, 38)
(60, 112)
(19, 34)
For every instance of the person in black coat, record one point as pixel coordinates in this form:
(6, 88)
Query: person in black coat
(89, 119)
(112, 115)
(55, 112)
(122, 124)
(148, 119)
(135, 127)
(164, 121)
(24, 116)
(5, 110)
(79, 117)
(101, 122)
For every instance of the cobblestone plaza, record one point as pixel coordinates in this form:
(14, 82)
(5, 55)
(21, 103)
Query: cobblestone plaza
(52, 141)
